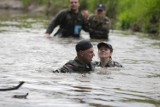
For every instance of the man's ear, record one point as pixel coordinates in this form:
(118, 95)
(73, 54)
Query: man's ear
(81, 53)
(111, 54)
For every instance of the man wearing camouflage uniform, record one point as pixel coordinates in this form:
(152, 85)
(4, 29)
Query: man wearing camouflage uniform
(70, 22)
(99, 24)
(82, 62)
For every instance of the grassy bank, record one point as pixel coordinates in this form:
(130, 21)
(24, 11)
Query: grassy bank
(139, 15)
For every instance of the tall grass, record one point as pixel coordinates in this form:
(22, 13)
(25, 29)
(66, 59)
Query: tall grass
(139, 15)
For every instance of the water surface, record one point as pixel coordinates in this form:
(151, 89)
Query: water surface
(26, 55)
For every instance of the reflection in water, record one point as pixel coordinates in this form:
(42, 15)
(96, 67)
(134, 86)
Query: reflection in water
(25, 55)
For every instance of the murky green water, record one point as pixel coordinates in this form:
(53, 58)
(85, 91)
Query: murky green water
(26, 55)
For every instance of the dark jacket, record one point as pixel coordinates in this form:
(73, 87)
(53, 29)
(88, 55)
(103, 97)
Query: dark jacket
(98, 27)
(70, 24)
(75, 66)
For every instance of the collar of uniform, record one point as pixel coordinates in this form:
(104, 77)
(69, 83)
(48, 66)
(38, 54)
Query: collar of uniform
(71, 11)
(107, 64)
(80, 61)
(88, 66)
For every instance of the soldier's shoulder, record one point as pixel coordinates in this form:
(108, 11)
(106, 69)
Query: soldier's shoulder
(72, 63)
(92, 16)
(107, 19)
(117, 64)
(63, 11)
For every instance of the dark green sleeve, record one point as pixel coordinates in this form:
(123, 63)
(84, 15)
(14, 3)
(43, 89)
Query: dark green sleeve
(56, 21)
(67, 68)
(85, 25)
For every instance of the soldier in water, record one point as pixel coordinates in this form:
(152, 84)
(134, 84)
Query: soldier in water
(70, 22)
(99, 24)
(82, 63)
(105, 51)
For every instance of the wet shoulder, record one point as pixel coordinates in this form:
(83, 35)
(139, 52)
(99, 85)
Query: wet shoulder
(63, 12)
(91, 17)
(116, 64)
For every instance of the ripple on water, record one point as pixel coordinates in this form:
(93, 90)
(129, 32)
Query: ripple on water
(26, 55)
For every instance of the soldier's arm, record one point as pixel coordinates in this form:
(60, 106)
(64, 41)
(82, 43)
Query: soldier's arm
(67, 68)
(55, 22)
(108, 23)
(85, 25)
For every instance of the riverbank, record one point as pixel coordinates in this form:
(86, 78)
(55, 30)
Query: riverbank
(11, 4)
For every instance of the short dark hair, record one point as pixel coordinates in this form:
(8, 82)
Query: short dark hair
(83, 45)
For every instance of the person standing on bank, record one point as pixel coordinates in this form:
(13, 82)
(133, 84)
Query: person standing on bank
(99, 24)
(70, 22)
(105, 51)
(82, 62)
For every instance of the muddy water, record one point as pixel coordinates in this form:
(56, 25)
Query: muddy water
(25, 55)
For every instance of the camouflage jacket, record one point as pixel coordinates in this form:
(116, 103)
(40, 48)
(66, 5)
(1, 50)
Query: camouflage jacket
(111, 63)
(98, 26)
(75, 66)
(70, 24)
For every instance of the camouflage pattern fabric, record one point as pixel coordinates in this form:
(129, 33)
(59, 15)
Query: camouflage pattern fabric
(111, 63)
(75, 66)
(98, 27)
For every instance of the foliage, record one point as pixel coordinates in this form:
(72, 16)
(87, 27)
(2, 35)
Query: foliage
(137, 15)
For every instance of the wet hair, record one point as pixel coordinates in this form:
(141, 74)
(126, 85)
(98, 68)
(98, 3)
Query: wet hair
(83, 45)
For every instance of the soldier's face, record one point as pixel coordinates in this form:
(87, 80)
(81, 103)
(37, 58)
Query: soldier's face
(74, 5)
(104, 52)
(100, 12)
(87, 55)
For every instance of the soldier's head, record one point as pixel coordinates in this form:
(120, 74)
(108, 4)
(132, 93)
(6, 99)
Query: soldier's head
(100, 10)
(85, 51)
(85, 13)
(74, 5)
(105, 50)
